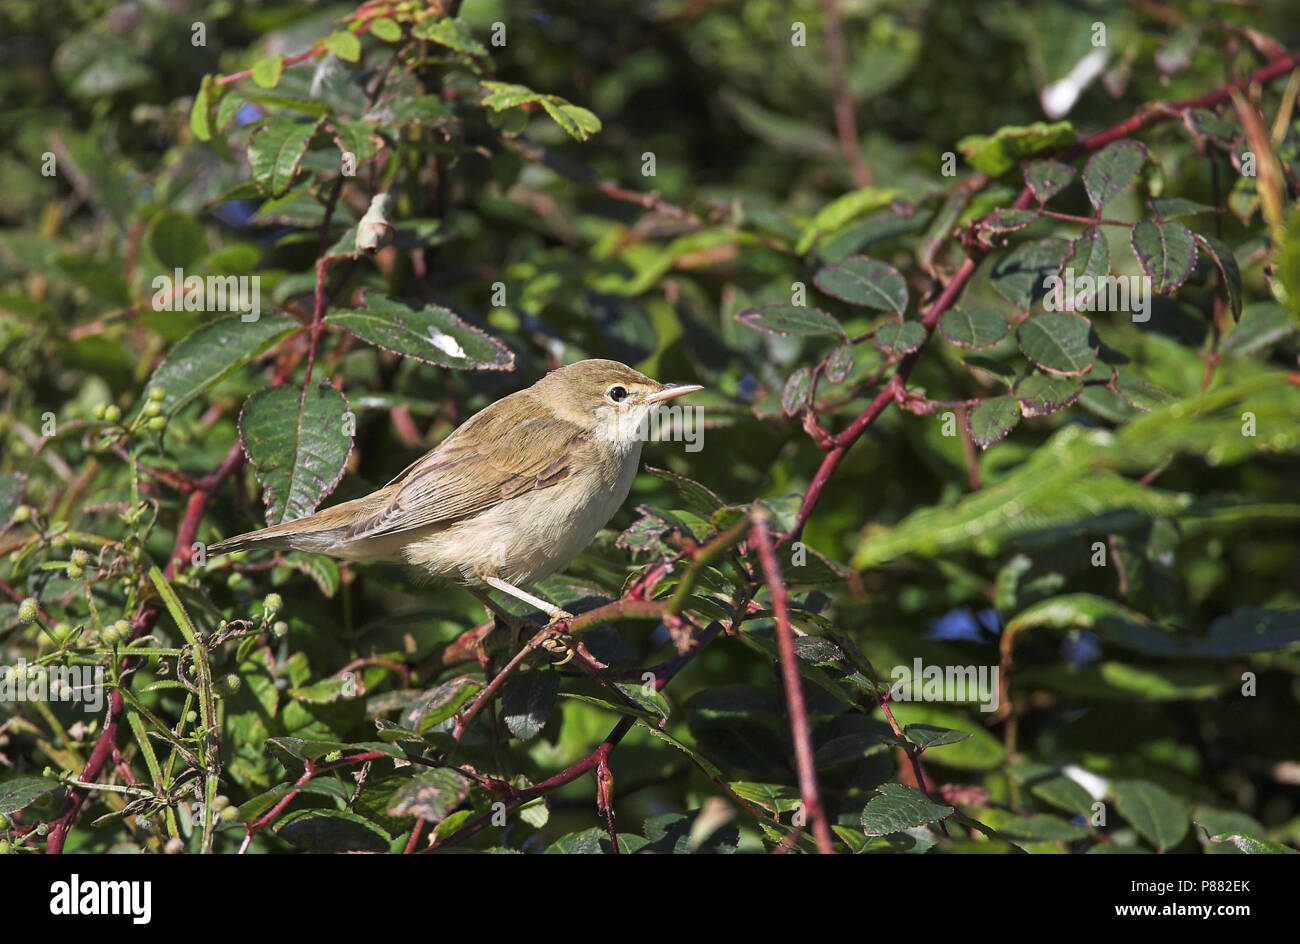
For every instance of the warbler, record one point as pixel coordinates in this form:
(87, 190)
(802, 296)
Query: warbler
(512, 496)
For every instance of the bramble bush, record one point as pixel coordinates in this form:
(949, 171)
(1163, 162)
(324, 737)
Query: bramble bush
(989, 543)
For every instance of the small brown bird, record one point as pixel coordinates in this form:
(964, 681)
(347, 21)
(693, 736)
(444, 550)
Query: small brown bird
(513, 495)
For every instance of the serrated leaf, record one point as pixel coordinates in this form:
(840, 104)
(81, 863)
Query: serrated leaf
(1047, 178)
(926, 736)
(1019, 275)
(975, 328)
(1252, 845)
(345, 45)
(1261, 324)
(1006, 220)
(1167, 208)
(1227, 263)
(431, 334)
(861, 280)
(442, 701)
(992, 419)
(839, 363)
(212, 352)
(267, 72)
(997, 153)
(698, 498)
(899, 337)
(430, 796)
(578, 122)
(1152, 811)
(527, 700)
(454, 33)
(19, 792)
(1089, 257)
(1166, 251)
(1058, 342)
(797, 320)
(897, 807)
(275, 152)
(1112, 169)
(1041, 394)
(840, 211)
(1137, 392)
(326, 831)
(797, 392)
(298, 446)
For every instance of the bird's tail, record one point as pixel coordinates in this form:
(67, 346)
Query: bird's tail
(321, 533)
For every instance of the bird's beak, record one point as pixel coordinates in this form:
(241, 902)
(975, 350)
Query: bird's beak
(672, 391)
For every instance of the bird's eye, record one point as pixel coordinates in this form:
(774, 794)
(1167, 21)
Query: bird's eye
(617, 393)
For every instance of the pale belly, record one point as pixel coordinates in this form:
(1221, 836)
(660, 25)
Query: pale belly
(527, 538)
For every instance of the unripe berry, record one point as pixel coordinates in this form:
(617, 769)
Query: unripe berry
(112, 413)
(153, 408)
(27, 610)
(80, 557)
(22, 513)
(158, 422)
(272, 604)
(157, 393)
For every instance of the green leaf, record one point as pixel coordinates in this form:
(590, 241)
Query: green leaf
(1227, 263)
(427, 110)
(1019, 275)
(595, 841)
(839, 363)
(345, 45)
(431, 334)
(451, 32)
(1152, 811)
(1208, 124)
(992, 419)
(861, 280)
(926, 736)
(201, 112)
(699, 498)
(1253, 845)
(1089, 257)
(840, 211)
(999, 152)
(1063, 792)
(387, 30)
(298, 446)
(976, 328)
(430, 796)
(897, 807)
(1112, 169)
(797, 392)
(899, 337)
(275, 152)
(1261, 325)
(328, 831)
(580, 123)
(267, 72)
(1166, 251)
(1058, 342)
(19, 792)
(1167, 208)
(1138, 392)
(1041, 394)
(212, 352)
(1041, 827)
(1004, 220)
(1047, 178)
(527, 700)
(442, 701)
(797, 320)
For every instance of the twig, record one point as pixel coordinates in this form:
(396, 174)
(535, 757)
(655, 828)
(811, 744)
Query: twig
(800, 730)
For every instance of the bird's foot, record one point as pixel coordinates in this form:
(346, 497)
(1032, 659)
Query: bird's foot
(560, 643)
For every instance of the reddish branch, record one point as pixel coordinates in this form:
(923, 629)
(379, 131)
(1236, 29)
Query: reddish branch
(895, 388)
(846, 127)
(800, 730)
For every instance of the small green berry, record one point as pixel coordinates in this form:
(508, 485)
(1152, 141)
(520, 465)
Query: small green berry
(98, 411)
(153, 408)
(27, 610)
(158, 422)
(280, 629)
(191, 716)
(220, 802)
(230, 684)
(80, 557)
(61, 632)
(157, 393)
(112, 413)
(230, 814)
(6, 847)
(22, 513)
(75, 572)
(272, 604)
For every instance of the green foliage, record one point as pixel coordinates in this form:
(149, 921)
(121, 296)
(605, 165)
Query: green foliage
(1069, 617)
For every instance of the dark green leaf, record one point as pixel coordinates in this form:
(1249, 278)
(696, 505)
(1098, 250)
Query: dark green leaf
(992, 419)
(975, 328)
(861, 280)
(430, 334)
(795, 320)
(1058, 342)
(1112, 169)
(1166, 251)
(1047, 178)
(896, 808)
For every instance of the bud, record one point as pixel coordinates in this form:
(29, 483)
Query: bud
(80, 558)
(230, 684)
(272, 604)
(230, 814)
(61, 632)
(75, 571)
(27, 610)
(220, 802)
(280, 629)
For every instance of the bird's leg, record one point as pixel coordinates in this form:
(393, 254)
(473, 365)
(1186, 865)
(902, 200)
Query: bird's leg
(561, 644)
(505, 617)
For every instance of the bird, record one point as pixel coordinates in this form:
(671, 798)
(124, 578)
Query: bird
(510, 497)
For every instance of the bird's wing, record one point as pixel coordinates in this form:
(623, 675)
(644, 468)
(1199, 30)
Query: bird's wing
(496, 455)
